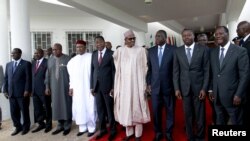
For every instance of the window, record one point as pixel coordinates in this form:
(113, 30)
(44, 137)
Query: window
(88, 36)
(41, 40)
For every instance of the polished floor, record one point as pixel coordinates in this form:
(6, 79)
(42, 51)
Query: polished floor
(7, 129)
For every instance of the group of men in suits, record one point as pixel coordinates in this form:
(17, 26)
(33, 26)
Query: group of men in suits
(188, 73)
(23, 79)
(193, 71)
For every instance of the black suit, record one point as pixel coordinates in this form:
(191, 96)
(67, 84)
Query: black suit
(42, 102)
(160, 79)
(190, 79)
(246, 115)
(229, 80)
(15, 84)
(102, 81)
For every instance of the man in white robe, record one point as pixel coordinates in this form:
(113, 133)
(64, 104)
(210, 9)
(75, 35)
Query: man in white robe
(83, 105)
(130, 102)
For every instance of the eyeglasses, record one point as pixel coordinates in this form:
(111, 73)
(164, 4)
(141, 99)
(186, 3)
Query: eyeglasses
(130, 39)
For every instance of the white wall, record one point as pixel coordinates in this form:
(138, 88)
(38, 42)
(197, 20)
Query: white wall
(59, 25)
(244, 16)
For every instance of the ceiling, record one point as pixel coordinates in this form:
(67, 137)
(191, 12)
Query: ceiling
(195, 14)
(199, 15)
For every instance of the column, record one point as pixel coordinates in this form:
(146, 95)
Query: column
(20, 34)
(232, 26)
(20, 27)
(4, 53)
(140, 38)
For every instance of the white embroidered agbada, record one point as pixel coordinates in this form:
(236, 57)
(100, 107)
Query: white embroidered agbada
(130, 103)
(83, 105)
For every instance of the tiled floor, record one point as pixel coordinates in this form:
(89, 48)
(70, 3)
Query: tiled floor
(7, 129)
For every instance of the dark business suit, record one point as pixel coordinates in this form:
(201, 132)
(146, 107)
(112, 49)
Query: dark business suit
(102, 81)
(229, 80)
(160, 79)
(190, 79)
(15, 84)
(246, 114)
(42, 102)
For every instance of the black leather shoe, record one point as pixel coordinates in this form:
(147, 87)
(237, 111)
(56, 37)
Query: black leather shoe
(17, 130)
(66, 132)
(57, 131)
(25, 131)
(111, 136)
(158, 137)
(169, 137)
(137, 138)
(90, 134)
(40, 127)
(47, 129)
(101, 134)
(81, 133)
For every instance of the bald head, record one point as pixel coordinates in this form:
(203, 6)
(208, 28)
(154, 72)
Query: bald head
(57, 49)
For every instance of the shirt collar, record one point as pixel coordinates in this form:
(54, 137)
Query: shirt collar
(245, 38)
(191, 46)
(226, 46)
(103, 51)
(18, 61)
(163, 46)
(40, 60)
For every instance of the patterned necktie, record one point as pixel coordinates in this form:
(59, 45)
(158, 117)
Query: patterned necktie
(221, 56)
(189, 55)
(100, 58)
(160, 56)
(14, 67)
(37, 65)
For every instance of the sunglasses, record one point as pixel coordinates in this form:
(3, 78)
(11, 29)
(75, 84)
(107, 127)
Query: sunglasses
(130, 39)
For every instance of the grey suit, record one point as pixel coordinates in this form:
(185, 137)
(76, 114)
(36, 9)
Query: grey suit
(228, 81)
(190, 79)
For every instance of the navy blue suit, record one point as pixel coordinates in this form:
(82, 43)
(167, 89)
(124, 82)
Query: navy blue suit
(16, 83)
(40, 100)
(160, 78)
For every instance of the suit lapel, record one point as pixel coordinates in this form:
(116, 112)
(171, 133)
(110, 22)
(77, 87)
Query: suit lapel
(184, 55)
(164, 55)
(195, 53)
(36, 71)
(246, 42)
(104, 57)
(228, 56)
(18, 66)
(217, 51)
(155, 55)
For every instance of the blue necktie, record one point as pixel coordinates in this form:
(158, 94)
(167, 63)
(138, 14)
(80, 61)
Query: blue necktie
(14, 67)
(189, 55)
(160, 56)
(221, 56)
(241, 42)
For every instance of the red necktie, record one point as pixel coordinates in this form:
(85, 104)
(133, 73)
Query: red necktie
(37, 65)
(100, 58)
